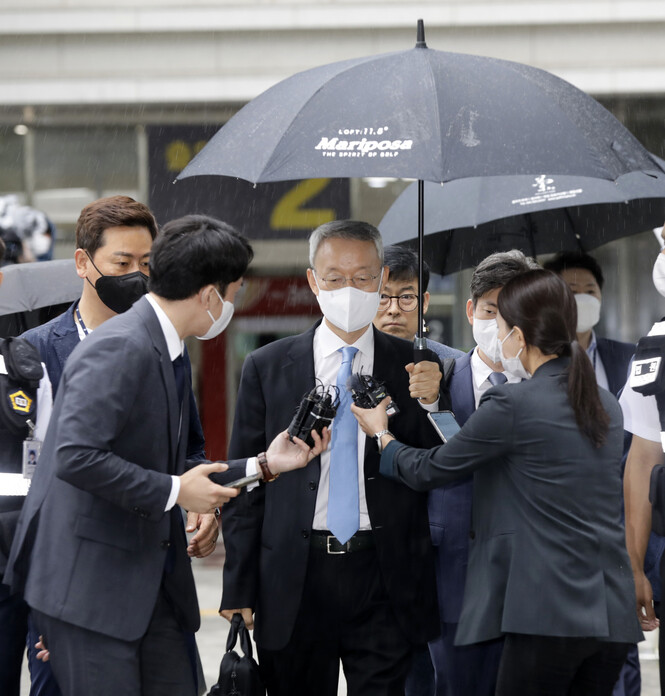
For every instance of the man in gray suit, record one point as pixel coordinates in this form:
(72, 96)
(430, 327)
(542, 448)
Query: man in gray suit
(100, 549)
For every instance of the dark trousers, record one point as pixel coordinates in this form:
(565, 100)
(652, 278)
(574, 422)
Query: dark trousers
(420, 680)
(466, 670)
(15, 631)
(630, 678)
(344, 615)
(86, 662)
(547, 666)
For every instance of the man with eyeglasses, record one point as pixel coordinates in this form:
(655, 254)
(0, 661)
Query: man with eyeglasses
(398, 304)
(335, 560)
(398, 316)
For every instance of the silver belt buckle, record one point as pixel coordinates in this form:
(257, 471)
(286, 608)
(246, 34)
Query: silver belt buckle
(333, 553)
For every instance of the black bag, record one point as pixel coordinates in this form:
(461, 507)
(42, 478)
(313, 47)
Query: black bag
(18, 385)
(238, 676)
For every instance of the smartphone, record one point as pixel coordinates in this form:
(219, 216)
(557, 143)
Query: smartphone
(444, 423)
(241, 482)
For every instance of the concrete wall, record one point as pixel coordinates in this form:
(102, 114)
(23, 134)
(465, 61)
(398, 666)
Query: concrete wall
(217, 51)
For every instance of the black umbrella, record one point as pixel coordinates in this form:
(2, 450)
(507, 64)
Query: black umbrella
(421, 114)
(467, 219)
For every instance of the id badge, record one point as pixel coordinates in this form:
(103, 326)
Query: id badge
(31, 452)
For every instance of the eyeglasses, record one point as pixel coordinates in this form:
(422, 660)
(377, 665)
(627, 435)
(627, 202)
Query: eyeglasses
(407, 303)
(364, 281)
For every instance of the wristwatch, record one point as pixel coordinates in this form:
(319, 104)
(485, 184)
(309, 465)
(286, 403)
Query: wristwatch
(378, 436)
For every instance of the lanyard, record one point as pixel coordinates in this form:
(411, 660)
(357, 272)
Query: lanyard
(80, 320)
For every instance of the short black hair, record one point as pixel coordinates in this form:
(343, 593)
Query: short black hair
(194, 251)
(403, 265)
(576, 259)
(497, 269)
(104, 213)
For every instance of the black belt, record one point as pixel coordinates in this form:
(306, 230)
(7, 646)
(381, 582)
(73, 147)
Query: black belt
(323, 540)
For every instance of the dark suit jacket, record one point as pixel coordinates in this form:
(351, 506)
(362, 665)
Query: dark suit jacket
(267, 531)
(547, 555)
(55, 340)
(615, 357)
(450, 509)
(92, 539)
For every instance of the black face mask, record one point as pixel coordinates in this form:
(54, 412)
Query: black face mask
(119, 293)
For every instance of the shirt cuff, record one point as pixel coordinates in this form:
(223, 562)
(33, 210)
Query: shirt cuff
(430, 407)
(251, 468)
(175, 491)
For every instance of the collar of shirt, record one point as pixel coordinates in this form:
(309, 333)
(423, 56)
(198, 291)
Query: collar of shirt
(173, 341)
(593, 345)
(481, 371)
(327, 343)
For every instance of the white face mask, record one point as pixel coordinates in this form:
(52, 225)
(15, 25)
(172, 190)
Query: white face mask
(513, 365)
(588, 311)
(349, 309)
(219, 324)
(486, 335)
(659, 274)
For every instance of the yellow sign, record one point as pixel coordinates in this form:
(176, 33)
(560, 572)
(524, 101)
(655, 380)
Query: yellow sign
(21, 402)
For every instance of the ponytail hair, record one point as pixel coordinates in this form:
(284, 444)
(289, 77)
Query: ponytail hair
(542, 305)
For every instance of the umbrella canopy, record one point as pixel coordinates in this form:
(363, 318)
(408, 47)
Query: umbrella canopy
(421, 114)
(468, 219)
(28, 286)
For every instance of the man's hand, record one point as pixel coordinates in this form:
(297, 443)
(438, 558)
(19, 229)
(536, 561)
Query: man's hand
(43, 653)
(284, 455)
(202, 544)
(424, 381)
(644, 598)
(372, 420)
(247, 616)
(198, 493)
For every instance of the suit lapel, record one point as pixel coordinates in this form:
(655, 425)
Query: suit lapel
(66, 338)
(461, 389)
(298, 373)
(154, 329)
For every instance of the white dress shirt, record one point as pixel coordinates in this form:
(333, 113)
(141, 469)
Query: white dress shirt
(327, 361)
(480, 371)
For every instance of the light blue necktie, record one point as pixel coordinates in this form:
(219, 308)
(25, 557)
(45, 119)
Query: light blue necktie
(343, 511)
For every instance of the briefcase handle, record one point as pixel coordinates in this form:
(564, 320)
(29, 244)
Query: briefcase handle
(238, 629)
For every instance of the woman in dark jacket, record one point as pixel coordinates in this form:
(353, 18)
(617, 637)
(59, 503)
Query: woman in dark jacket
(548, 567)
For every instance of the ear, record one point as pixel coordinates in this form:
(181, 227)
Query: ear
(425, 301)
(205, 295)
(386, 275)
(82, 262)
(469, 311)
(1, 277)
(312, 282)
(520, 336)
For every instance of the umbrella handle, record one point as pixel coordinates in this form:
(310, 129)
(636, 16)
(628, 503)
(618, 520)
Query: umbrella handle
(420, 350)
